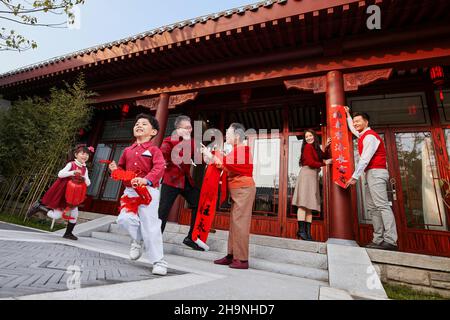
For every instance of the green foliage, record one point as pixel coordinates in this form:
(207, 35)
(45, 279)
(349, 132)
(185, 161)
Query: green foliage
(33, 130)
(34, 222)
(36, 138)
(402, 292)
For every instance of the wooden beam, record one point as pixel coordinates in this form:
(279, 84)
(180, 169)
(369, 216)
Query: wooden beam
(303, 29)
(316, 26)
(253, 38)
(360, 20)
(409, 56)
(277, 35)
(330, 25)
(265, 37)
(290, 31)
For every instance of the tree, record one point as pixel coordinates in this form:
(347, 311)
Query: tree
(28, 13)
(36, 137)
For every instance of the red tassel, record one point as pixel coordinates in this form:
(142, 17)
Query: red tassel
(441, 95)
(123, 175)
(130, 204)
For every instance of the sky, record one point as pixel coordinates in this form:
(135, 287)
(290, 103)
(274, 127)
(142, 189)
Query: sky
(103, 21)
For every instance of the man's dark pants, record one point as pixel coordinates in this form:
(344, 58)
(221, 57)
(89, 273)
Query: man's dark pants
(168, 196)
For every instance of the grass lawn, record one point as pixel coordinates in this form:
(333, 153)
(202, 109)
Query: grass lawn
(34, 222)
(402, 292)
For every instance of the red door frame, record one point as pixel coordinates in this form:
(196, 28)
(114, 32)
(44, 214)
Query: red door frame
(405, 233)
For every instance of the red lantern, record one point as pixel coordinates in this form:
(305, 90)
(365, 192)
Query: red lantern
(75, 191)
(75, 194)
(125, 109)
(246, 95)
(438, 78)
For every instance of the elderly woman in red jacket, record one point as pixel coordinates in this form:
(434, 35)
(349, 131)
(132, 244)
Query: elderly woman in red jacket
(237, 165)
(306, 194)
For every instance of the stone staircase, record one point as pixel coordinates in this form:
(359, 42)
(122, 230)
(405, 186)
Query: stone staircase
(285, 256)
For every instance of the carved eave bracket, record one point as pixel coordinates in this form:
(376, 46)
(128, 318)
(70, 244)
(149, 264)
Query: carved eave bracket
(316, 84)
(352, 81)
(174, 100)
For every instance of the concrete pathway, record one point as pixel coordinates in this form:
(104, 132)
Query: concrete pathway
(15, 227)
(189, 279)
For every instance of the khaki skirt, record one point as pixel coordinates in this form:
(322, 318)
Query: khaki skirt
(306, 193)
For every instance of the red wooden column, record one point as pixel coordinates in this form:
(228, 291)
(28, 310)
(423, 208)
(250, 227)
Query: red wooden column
(162, 115)
(340, 215)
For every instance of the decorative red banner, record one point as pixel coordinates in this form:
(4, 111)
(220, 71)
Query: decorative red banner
(342, 168)
(207, 203)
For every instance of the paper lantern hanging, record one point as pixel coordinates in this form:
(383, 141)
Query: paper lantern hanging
(438, 77)
(246, 94)
(125, 110)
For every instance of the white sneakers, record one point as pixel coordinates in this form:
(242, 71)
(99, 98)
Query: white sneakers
(160, 268)
(135, 250)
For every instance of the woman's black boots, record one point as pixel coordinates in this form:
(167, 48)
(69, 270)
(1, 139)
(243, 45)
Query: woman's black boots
(301, 233)
(308, 231)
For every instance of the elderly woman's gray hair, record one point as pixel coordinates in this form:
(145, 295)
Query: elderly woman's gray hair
(239, 130)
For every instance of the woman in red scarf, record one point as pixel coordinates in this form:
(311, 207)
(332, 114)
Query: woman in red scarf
(238, 166)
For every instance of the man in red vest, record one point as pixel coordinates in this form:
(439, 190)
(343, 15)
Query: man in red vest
(372, 161)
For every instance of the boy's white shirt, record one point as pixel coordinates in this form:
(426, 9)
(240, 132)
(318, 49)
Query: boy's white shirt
(66, 172)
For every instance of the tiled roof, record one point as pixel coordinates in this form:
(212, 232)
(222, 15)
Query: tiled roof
(168, 28)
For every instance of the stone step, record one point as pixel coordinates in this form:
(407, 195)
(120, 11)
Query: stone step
(118, 238)
(266, 241)
(310, 259)
(303, 258)
(173, 245)
(255, 263)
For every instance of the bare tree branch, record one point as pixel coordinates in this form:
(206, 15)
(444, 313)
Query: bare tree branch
(26, 15)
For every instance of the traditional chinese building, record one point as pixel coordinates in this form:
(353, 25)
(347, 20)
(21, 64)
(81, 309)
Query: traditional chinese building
(282, 65)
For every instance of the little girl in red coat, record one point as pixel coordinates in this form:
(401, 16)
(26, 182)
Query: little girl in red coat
(54, 200)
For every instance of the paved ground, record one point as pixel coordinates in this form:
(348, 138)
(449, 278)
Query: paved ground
(9, 226)
(30, 268)
(192, 279)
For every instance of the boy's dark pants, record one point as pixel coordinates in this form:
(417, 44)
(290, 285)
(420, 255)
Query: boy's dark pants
(168, 196)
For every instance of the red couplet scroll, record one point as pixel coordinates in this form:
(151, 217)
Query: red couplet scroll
(207, 203)
(342, 168)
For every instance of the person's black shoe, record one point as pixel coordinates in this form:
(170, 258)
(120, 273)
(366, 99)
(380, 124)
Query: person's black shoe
(373, 245)
(387, 246)
(68, 234)
(190, 243)
(34, 208)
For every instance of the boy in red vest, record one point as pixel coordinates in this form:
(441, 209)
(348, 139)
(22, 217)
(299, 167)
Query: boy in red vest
(373, 162)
